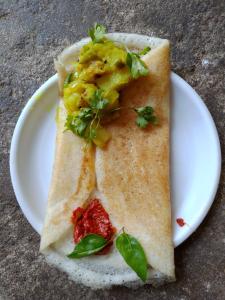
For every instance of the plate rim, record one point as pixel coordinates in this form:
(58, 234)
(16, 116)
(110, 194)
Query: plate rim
(53, 80)
(218, 166)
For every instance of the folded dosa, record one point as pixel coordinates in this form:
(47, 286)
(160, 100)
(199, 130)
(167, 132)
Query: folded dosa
(130, 176)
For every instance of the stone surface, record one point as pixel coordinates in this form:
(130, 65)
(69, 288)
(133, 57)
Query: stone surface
(32, 34)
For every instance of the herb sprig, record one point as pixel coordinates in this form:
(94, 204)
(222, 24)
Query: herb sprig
(98, 102)
(87, 121)
(80, 122)
(145, 115)
(97, 33)
(136, 65)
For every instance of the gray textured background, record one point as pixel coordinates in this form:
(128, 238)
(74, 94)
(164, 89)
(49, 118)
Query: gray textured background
(32, 33)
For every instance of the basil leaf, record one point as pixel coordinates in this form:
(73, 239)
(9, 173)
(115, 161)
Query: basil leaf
(144, 51)
(145, 116)
(97, 33)
(136, 65)
(90, 244)
(133, 254)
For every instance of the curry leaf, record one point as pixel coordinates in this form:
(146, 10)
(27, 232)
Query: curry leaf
(90, 244)
(136, 65)
(133, 254)
(145, 116)
(97, 32)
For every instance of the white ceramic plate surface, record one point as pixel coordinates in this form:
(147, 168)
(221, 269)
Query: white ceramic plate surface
(195, 156)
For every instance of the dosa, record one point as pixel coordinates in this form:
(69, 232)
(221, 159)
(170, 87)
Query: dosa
(130, 176)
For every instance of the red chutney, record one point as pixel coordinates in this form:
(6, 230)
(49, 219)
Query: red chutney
(92, 219)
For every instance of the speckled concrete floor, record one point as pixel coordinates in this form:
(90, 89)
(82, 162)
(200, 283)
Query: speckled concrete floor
(32, 33)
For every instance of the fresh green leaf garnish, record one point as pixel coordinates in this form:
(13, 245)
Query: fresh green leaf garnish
(144, 51)
(97, 33)
(90, 244)
(98, 102)
(68, 79)
(87, 121)
(141, 122)
(136, 65)
(133, 254)
(95, 110)
(79, 123)
(145, 116)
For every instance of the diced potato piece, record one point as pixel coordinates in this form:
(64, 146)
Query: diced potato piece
(88, 52)
(102, 137)
(85, 92)
(88, 92)
(89, 73)
(107, 52)
(101, 66)
(113, 97)
(115, 80)
(115, 57)
(72, 102)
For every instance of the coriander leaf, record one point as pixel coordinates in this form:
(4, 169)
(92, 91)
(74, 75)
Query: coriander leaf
(97, 33)
(144, 110)
(79, 123)
(133, 254)
(136, 65)
(90, 244)
(102, 104)
(97, 102)
(68, 79)
(76, 125)
(86, 114)
(145, 116)
(141, 122)
(144, 51)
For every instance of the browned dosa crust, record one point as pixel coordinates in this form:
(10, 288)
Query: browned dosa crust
(73, 180)
(133, 171)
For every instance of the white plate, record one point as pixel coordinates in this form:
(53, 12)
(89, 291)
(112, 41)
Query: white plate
(195, 156)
